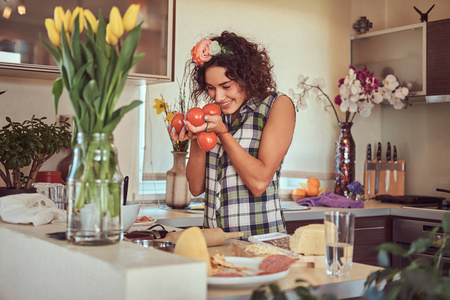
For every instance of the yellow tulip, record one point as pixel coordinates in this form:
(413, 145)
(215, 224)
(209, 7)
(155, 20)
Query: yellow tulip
(111, 38)
(115, 19)
(68, 39)
(130, 17)
(77, 11)
(89, 17)
(52, 33)
(67, 19)
(58, 15)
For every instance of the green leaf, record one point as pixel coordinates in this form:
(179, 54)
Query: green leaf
(126, 54)
(54, 53)
(90, 69)
(395, 249)
(118, 114)
(446, 222)
(137, 58)
(67, 60)
(419, 246)
(75, 47)
(91, 91)
(383, 258)
(57, 90)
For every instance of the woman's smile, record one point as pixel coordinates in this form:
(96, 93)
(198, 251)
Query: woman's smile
(225, 92)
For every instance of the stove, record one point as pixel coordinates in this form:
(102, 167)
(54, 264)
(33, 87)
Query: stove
(444, 205)
(418, 202)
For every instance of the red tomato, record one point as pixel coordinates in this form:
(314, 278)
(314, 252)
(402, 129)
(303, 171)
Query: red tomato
(195, 116)
(207, 140)
(177, 122)
(212, 109)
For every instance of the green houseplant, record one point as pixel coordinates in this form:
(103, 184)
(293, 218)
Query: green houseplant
(30, 143)
(423, 278)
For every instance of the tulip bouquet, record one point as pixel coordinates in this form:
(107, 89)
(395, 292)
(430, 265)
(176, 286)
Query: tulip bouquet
(94, 63)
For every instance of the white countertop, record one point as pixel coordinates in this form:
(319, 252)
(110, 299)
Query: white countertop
(372, 208)
(52, 269)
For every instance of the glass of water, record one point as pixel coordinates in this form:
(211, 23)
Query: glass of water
(339, 237)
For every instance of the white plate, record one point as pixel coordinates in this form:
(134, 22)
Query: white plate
(246, 281)
(153, 220)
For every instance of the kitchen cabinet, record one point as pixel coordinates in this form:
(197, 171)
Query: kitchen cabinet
(370, 232)
(438, 62)
(418, 55)
(22, 53)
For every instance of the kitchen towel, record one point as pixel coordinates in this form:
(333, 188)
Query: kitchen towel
(30, 208)
(328, 199)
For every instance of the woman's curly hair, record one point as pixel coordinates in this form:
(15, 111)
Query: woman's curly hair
(244, 62)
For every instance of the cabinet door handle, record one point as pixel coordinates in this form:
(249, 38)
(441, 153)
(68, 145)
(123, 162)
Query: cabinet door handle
(368, 228)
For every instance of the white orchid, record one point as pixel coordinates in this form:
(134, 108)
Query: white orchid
(359, 91)
(349, 106)
(365, 108)
(301, 81)
(390, 82)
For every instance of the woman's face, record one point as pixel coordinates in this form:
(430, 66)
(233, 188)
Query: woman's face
(225, 92)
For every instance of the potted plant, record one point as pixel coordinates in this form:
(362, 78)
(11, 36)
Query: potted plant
(30, 143)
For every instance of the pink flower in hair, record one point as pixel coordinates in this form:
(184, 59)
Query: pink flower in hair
(200, 52)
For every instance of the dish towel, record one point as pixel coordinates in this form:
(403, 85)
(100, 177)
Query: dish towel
(328, 199)
(30, 208)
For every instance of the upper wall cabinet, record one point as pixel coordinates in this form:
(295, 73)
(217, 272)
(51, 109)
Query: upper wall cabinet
(22, 53)
(418, 55)
(398, 51)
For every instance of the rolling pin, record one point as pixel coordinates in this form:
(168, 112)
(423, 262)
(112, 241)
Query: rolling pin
(213, 236)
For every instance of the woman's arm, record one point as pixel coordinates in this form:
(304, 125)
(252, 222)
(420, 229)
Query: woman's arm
(276, 138)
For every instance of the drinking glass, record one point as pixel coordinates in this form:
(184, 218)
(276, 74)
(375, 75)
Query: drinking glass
(339, 237)
(58, 194)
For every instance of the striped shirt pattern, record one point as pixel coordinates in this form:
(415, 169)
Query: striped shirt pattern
(229, 204)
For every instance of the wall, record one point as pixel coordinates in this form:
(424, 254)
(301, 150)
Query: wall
(421, 131)
(302, 37)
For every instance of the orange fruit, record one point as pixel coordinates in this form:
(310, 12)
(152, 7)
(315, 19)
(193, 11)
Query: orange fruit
(298, 194)
(313, 181)
(312, 190)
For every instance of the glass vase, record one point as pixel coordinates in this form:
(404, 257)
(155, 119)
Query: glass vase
(344, 154)
(94, 192)
(177, 187)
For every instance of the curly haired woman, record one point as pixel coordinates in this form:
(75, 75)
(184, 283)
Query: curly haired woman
(240, 175)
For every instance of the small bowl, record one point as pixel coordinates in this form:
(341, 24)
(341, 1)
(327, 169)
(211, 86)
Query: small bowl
(159, 245)
(129, 215)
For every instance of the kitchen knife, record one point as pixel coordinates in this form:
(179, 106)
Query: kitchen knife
(369, 158)
(377, 171)
(388, 172)
(395, 161)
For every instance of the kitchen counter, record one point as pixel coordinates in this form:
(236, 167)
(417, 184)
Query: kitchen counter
(372, 208)
(53, 269)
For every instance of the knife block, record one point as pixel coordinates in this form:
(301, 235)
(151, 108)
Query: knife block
(395, 188)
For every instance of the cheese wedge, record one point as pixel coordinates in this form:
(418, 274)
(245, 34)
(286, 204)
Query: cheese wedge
(308, 240)
(192, 243)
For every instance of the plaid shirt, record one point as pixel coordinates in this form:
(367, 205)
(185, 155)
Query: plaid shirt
(229, 204)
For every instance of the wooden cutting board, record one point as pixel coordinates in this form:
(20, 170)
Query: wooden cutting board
(304, 261)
